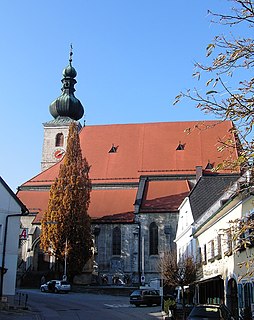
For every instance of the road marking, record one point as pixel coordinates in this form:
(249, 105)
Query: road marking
(117, 305)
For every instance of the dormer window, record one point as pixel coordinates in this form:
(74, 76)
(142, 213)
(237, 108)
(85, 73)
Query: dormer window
(113, 149)
(209, 166)
(180, 146)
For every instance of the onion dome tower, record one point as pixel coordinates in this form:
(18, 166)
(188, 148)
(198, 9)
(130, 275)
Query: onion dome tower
(67, 105)
(65, 110)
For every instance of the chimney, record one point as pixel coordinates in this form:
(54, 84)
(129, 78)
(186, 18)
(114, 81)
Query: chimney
(199, 172)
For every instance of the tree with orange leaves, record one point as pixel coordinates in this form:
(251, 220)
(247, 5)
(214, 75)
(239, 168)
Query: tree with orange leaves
(65, 226)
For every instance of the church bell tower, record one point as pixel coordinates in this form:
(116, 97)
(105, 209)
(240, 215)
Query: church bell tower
(65, 110)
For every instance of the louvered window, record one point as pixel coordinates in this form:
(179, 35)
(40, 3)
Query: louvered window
(228, 244)
(210, 254)
(217, 247)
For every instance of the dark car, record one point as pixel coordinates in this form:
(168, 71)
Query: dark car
(208, 311)
(147, 297)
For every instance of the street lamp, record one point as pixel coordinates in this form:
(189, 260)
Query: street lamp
(65, 260)
(162, 274)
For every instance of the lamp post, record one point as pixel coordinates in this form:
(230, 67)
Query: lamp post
(65, 260)
(162, 282)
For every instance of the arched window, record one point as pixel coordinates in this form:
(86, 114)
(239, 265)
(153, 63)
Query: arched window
(153, 237)
(59, 140)
(116, 245)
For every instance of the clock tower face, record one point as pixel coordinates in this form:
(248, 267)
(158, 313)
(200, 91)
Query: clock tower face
(59, 153)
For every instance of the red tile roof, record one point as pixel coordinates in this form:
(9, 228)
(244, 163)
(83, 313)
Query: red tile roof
(164, 195)
(103, 202)
(127, 217)
(111, 201)
(146, 148)
(36, 201)
(142, 149)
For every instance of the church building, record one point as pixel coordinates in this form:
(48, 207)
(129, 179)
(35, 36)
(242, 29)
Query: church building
(140, 173)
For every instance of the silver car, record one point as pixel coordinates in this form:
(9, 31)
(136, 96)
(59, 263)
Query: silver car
(56, 286)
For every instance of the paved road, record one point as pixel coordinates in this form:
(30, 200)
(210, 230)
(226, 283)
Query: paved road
(80, 306)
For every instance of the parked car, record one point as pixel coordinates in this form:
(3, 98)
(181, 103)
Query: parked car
(213, 312)
(56, 286)
(147, 297)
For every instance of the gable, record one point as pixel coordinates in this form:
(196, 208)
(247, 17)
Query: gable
(9, 201)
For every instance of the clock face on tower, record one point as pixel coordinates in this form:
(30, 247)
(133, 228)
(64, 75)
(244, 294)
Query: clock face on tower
(59, 153)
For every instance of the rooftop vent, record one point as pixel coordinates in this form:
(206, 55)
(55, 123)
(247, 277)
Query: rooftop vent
(209, 166)
(113, 149)
(180, 146)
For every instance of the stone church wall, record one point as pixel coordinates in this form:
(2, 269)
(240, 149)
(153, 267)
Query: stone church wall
(124, 266)
(128, 265)
(167, 225)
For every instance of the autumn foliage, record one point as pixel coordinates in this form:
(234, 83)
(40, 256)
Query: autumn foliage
(66, 224)
(177, 273)
(228, 77)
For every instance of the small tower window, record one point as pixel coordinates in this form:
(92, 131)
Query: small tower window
(59, 140)
(113, 149)
(180, 146)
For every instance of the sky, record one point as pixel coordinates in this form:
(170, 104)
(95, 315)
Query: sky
(132, 58)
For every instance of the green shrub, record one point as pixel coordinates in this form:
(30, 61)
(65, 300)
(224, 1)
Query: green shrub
(169, 304)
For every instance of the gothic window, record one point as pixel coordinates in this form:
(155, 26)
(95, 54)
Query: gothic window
(59, 140)
(153, 236)
(116, 248)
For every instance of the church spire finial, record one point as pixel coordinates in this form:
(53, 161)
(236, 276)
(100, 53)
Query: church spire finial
(71, 54)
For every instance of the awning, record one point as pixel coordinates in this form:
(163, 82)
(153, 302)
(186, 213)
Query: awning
(203, 280)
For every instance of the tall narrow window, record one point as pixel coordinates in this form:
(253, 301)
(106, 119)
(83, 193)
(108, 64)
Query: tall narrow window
(59, 140)
(204, 255)
(153, 235)
(116, 248)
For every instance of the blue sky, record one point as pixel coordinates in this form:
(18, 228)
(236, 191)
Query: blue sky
(132, 58)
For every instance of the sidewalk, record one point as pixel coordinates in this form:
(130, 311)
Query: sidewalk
(19, 312)
(19, 315)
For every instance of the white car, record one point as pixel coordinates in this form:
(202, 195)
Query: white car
(56, 286)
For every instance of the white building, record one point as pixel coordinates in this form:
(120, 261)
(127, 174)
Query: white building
(11, 209)
(205, 232)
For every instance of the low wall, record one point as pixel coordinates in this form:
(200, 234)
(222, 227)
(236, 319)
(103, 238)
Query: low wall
(111, 290)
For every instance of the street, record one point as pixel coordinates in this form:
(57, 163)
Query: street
(80, 306)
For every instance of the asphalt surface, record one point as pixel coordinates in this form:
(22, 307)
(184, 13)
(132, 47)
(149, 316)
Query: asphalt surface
(19, 315)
